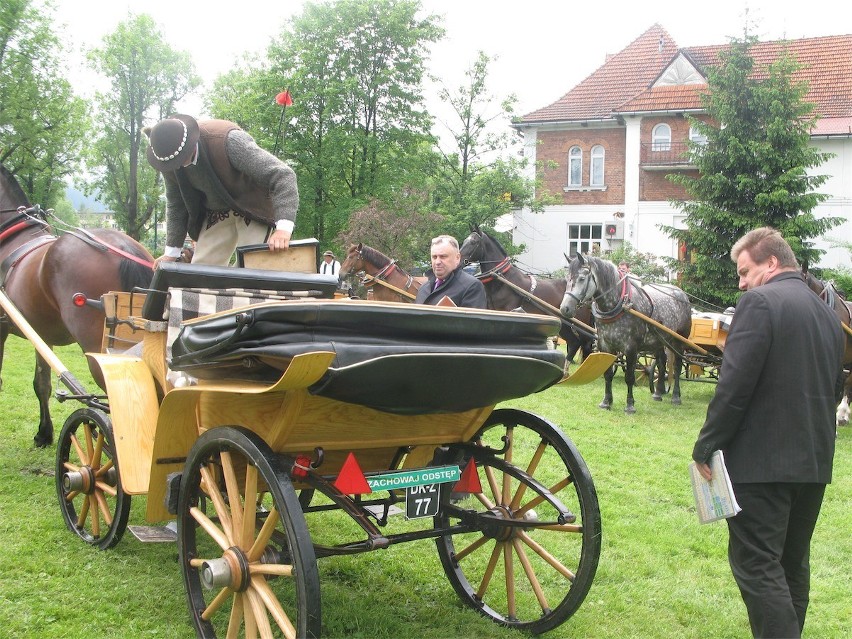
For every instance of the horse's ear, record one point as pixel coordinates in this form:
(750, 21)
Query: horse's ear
(567, 259)
(580, 258)
(360, 245)
(472, 227)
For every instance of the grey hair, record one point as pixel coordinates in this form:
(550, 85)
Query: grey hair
(446, 239)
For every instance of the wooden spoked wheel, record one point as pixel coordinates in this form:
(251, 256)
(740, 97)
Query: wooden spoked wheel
(88, 485)
(522, 567)
(247, 559)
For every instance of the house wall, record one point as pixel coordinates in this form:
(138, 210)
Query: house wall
(553, 149)
(546, 234)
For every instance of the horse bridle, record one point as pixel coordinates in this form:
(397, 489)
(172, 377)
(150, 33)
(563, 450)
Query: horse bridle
(604, 316)
(386, 270)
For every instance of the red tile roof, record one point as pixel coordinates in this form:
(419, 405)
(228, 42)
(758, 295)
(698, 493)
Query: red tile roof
(623, 83)
(621, 77)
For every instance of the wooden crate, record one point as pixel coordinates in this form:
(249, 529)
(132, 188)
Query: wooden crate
(119, 306)
(708, 332)
(301, 257)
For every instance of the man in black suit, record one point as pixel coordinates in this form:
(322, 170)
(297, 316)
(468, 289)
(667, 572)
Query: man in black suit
(773, 416)
(448, 279)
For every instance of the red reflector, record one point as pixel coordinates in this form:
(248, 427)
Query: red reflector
(469, 481)
(301, 467)
(351, 480)
(79, 299)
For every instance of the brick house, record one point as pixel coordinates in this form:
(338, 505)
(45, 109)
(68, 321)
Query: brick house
(607, 145)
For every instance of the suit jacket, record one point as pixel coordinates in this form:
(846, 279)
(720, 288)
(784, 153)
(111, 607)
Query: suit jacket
(461, 287)
(781, 378)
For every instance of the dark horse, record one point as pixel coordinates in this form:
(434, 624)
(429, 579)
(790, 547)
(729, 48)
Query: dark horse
(497, 269)
(41, 273)
(591, 279)
(843, 310)
(403, 287)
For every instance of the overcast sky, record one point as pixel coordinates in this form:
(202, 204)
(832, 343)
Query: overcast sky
(544, 47)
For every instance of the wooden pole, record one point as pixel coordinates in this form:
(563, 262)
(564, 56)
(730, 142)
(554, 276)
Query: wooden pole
(399, 291)
(689, 343)
(29, 332)
(540, 302)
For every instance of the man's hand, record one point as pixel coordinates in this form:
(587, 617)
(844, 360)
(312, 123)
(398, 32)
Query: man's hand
(279, 241)
(705, 471)
(163, 258)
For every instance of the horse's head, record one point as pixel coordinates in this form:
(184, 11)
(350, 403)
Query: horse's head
(580, 285)
(354, 261)
(471, 248)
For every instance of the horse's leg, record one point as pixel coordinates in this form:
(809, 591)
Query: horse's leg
(659, 380)
(4, 333)
(42, 388)
(630, 380)
(678, 364)
(606, 402)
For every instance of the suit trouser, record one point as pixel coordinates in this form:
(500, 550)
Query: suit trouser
(769, 552)
(223, 233)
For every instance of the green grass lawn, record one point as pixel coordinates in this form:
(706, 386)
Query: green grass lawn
(661, 574)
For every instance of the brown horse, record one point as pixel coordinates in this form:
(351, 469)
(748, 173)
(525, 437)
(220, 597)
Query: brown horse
(843, 310)
(42, 275)
(383, 275)
(497, 269)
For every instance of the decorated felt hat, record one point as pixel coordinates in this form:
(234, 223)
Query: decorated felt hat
(172, 142)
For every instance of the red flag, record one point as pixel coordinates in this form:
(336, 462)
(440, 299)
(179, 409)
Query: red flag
(284, 98)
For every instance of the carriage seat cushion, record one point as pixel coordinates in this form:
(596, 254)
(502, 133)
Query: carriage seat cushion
(398, 358)
(177, 275)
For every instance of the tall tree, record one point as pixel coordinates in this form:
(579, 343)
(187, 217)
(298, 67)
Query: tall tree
(753, 171)
(354, 69)
(42, 123)
(147, 77)
(477, 181)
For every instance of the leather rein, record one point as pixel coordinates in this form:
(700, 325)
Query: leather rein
(386, 270)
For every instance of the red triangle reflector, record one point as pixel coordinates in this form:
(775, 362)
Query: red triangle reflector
(469, 481)
(351, 480)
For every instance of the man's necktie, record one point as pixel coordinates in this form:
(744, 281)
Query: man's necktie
(438, 282)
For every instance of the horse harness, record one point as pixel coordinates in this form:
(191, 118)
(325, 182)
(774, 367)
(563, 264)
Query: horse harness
(26, 218)
(625, 299)
(34, 216)
(386, 270)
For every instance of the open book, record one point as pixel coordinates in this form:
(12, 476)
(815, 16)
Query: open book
(714, 499)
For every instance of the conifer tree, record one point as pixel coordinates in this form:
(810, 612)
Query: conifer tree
(753, 170)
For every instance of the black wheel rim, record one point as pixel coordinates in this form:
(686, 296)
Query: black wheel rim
(273, 588)
(88, 484)
(531, 578)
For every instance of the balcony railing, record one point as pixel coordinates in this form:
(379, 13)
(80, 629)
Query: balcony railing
(671, 154)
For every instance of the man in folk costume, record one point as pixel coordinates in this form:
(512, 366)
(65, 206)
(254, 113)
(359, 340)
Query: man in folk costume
(329, 266)
(222, 189)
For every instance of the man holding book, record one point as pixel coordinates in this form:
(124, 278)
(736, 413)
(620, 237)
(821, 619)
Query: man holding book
(773, 417)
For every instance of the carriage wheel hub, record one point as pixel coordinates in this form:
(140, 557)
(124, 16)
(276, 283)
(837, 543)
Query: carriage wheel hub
(494, 529)
(231, 570)
(82, 480)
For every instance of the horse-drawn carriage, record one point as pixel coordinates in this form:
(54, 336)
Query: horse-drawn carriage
(277, 404)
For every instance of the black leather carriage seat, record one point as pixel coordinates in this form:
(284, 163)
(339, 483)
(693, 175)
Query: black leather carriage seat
(398, 358)
(178, 275)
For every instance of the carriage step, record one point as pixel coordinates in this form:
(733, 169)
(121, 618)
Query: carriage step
(155, 534)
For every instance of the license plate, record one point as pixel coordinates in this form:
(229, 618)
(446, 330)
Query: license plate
(422, 501)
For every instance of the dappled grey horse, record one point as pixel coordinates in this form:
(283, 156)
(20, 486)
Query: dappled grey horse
(611, 294)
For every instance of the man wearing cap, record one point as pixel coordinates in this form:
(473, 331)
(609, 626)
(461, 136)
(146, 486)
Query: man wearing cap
(222, 189)
(329, 266)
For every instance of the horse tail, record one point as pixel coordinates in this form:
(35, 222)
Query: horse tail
(134, 275)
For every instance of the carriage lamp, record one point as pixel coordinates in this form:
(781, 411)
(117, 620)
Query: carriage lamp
(79, 299)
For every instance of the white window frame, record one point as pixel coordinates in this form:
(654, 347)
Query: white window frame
(697, 137)
(661, 137)
(584, 238)
(596, 165)
(575, 159)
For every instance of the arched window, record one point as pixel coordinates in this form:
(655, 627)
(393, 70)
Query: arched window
(661, 138)
(575, 166)
(597, 164)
